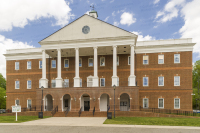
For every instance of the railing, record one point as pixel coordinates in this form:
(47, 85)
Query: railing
(67, 111)
(54, 111)
(28, 109)
(93, 111)
(124, 108)
(80, 112)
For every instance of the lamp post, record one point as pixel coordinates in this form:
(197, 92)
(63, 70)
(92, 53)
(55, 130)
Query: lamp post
(40, 115)
(114, 86)
(196, 105)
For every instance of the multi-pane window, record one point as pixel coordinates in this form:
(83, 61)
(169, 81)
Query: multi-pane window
(145, 59)
(16, 84)
(161, 81)
(66, 63)
(102, 61)
(40, 64)
(28, 84)
(53, 83)
(53, 64)
(160, 59)
(66, 83)
(90, 62)
(80, 62)
(176, 58)
(145, 103)
(17, 102)
(80, 82)
(29, 103)
(176, 103)
(176, 80)
(28, 64)
(102, 82)
(16, 65)
(145, 81)
(118, 60)
(129, 60)
(160, 103)
(118, 81)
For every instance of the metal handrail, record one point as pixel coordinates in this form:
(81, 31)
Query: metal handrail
(66, 112)
(93, 111)
(54, 111)
(80, 112)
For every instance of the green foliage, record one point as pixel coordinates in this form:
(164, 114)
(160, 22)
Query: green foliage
(2, 98)
(11, 119)
(2, 82)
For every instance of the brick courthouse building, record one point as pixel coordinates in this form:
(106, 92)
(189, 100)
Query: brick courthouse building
(79, 64)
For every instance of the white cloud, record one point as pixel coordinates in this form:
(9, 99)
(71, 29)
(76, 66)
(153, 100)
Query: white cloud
(106, 19)
(143, 38)
(113, 13)
(19, 13)
(127, 18)
(116, 23)
(112, 1)
(156, 1)
(5, 44)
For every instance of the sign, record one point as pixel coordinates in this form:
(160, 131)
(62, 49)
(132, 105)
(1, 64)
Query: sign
(16, 108)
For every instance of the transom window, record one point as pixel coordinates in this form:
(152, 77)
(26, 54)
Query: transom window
(176, 80)
(16, 65)
(17, 102)
(145, 81)
(16, 84)
(102, 61)
(176, 103)
(118, 60)
(90, 62)
(80, 62)
(161, 81)
(28, 84)
(145, 59)
(66, 63)
(29, 103)
(28, 64)
(66, 83)
(102, 82)
(160, 59)
(53, 64)
(53, 83)
(176, 58)
(40, 64)
(129, 60)
(160, 103)
(145, 103)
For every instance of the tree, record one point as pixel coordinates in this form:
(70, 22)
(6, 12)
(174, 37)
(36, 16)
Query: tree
(2, 98)
(2, 82)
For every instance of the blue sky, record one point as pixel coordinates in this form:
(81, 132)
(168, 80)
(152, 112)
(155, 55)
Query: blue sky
(24, 23)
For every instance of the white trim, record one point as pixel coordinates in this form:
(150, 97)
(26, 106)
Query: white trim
(147, 81)
(27, 103)
(104, 82)
(179, 58)
(147, 103)
(163, 81)
(64, 63)
(39, 64)
(92, 62)
(28, 65)
(163, 58)
(179, 80)
(174, 103)
(51, 63)
(129, 58)
(15, 101)
(118, 60)
(27, 84)
(16, 65)
(147, 60)
(104, 61)
(163, 103)
(81, 62)
(15, 84)
(81, 83)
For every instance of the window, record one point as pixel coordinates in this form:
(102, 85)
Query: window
(129, 60)
(40, 84)
(66, 83)
(161, 81)
(118, 81)
(16, 65)
(102, 82)
(160, 59)
(17, 102)
(145, 103)
(176, 58)
(66, 63)
(145, 59)
(29, 84)
(29, 103)
(160, 103)
(40, 64)
(176, 103)
(17, 85)
(80, 62)
(145, 81)
(53, 83)
(53, 64)
(80, 82)
(118, 60)
(28, 64)
(90, 62)
(176, 80)
(102, 61)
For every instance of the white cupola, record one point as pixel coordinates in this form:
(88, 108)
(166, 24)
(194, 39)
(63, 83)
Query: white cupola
(93, 13)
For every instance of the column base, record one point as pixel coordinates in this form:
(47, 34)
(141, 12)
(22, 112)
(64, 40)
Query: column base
(76, 82)
(115, 80)
(131, 80)
(59, 82)
(95, 82)
(44, 83)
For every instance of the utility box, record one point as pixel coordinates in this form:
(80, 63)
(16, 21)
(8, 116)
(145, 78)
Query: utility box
(109, 115)
(40, 114)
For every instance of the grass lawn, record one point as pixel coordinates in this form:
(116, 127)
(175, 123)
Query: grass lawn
(11, 119)
(154, 121)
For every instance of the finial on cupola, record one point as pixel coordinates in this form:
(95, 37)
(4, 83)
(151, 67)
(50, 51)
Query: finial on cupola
(93, 13)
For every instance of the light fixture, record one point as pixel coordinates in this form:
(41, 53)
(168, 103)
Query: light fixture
(42, 88)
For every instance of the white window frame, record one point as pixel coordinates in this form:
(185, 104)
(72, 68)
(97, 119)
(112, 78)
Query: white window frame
(147, 59)
(16, 100)
(89, 62)
(104, 82)
(81, 83)
(104, 61)
(129, 60)
(147, 81)
(159, 104)
(16, 84)
(163, 58)
(40, 84)
(163, 81)
(52, 64)
(64, 63)
(66, 82)
(179, 80)
(179, 58)
(27, 103)
(40, 61)
(28, 85)
(80, 59)
(52, 83)
(147, 103)
(16, 65)
(28, 65)
(178, 105)
(117, 60)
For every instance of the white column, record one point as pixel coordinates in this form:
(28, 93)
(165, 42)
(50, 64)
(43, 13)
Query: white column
(43, 80)
(132, 76)
(59, 80)
(76, 78)
(114, 77)
(95, 82)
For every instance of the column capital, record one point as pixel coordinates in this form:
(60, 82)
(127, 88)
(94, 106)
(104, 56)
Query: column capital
(58, 49)
(132, 45)
(95, 47)
(43, 50)
(76, 48)
(114, 46)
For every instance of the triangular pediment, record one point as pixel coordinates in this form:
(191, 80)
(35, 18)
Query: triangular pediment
(98, 29)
